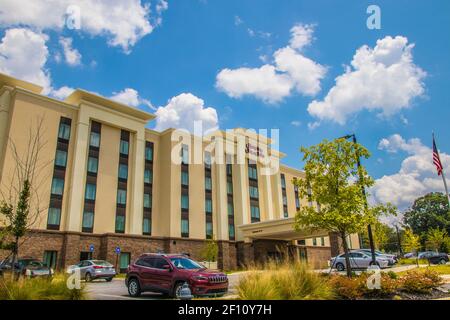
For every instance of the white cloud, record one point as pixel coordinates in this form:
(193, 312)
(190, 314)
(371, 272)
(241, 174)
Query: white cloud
(264, 83)
(237, 20)
(62, 92)
(130, 97)
(416, 177)
(71, 55)
(271, 83)
(313, 125)
(181, 112)
(301, 36)
(296, 123)
(384, 78)
(23, 54)
(124, 22)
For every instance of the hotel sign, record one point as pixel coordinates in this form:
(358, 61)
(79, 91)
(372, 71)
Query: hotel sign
(257, 151)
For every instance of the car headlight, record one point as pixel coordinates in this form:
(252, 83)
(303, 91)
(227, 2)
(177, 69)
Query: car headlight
(200, 278)
(28, 272)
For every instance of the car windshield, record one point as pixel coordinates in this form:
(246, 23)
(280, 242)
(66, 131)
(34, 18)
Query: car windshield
(34, 263)
(185, 263)
(102, 263)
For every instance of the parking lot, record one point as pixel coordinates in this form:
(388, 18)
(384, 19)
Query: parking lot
(116, 290)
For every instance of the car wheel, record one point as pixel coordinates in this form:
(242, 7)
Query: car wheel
(134, 289)
(442, 261)
(88, 277)
(374, 264)
(109, 279)
(340, 267)
(177, 289)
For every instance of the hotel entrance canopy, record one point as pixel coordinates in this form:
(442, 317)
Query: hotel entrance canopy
(280, 229)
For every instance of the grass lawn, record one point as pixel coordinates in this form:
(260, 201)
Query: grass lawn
(441, 269)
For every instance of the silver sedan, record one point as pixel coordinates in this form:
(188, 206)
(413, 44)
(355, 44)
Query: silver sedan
(358, 260)
(93, 269)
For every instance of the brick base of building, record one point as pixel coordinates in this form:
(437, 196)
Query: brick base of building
(232, 254)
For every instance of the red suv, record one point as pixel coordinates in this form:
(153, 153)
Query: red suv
(166, 273)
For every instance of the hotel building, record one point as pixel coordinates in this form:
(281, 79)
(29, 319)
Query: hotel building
(111, 183)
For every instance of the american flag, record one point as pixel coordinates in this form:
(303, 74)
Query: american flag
(436, 158)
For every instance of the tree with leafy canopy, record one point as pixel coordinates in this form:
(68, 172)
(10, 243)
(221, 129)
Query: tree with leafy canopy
(437, 239)
(334, 181)
(411, 242)
(428, 212)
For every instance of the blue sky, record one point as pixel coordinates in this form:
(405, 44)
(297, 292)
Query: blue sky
(180, 47)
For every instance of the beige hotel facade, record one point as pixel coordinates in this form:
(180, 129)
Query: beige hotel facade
(112, 183)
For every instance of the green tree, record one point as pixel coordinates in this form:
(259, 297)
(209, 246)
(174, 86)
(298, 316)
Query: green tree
(411, 242)
(210, 250)
(437, 239)
(381, 235)
(334, 182)
(428, 212)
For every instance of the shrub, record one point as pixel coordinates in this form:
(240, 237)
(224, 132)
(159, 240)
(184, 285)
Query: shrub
(39, 289)
(284, 281)
(348, 288)
(404, 261)
(420, 282)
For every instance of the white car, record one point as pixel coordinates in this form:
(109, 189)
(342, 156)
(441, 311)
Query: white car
(358, 260)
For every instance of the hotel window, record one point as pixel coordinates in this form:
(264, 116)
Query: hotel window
(207, 160)
(184, 201)
(92, 165)
(253, 192)
(148, 182)
(230, 204)
(254, 211)
(209, 230)
(149, 153)
(302, 242)
(91, 178)
(184, 178)
(322, 241)
(54, 216)
(61, 158)
(147, 201)
(229, 187)
(231, 231)
(147, 226)
(123, 171)
(88, 220)
(184, 227)
(64, 130)
(90, 191)
(230, 209)
(50, 258)
(208, 205)
(252, 172)
(59, 173)
(314, 242)
(57, 186)
(284, 193)
(297, 203)
(94, 140)
(208, 184)
(148, 176)
(121, 197)
(185, 154)
(297, 197)
(124, 145)
(120, 224)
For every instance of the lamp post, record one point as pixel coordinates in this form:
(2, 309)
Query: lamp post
(363, 190)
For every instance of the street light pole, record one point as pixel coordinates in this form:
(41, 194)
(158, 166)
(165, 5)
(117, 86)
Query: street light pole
(363, 190)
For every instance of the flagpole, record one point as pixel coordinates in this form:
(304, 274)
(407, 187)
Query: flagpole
(443, 178)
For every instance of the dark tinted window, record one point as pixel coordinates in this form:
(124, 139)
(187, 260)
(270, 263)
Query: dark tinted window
(159, 263)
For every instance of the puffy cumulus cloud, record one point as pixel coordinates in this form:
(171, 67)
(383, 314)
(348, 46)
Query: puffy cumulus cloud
(130, 97)
(416, 177)
(272, 82)
(23, 54)
(301, 36)
(71, 55)
(124, 22)
(264, 82)
(182, 111)
(384, 78)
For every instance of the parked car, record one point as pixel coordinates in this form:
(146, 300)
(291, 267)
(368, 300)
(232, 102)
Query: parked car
(94, 269)
(358, 260)
(434, 257)
(409, 255)
(392, 258)
(166, 273)
(28, 267)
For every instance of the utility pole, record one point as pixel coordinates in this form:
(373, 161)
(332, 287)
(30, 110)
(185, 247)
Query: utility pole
(363, 190)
